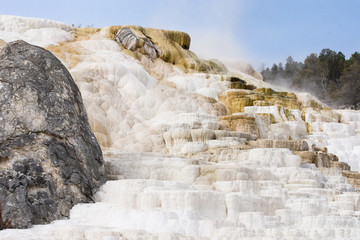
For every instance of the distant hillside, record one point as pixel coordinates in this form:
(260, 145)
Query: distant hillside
(327, 75)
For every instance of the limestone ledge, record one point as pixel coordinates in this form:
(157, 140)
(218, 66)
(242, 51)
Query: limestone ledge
(353, 178)
(237, 99)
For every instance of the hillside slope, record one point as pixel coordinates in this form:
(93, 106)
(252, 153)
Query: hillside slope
(198, 150)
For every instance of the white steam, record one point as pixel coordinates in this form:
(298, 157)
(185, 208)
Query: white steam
(213, 25)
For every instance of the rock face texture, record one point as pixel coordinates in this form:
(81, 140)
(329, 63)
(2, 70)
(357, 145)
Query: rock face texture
(130, 41)
(49, 158)
(170, 46)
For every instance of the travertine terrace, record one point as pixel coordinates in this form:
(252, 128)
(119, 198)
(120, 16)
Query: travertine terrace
(194, 150)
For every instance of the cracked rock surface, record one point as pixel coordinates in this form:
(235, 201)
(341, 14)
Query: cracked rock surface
(49, 158)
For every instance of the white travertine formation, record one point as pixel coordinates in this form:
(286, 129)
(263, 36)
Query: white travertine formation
(208, 85)
(278, 113)
(340, 134)
(40, 32)
(262, 193)
(175, 171)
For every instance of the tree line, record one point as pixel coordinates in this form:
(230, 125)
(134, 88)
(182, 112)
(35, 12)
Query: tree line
(327, 75)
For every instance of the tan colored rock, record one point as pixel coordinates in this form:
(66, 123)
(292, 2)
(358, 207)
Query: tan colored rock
(325, 159)
(69, 53)
(319, 149)
(237, 99)
(322, 159)
(256, 97)
(237, 83)
(239, 123)
(353, 177)
(306, 156)
(2, 44)
(340, 165)
(293, 145)
(85, 33)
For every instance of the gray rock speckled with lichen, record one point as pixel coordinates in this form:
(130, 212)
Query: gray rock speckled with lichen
(49, 158)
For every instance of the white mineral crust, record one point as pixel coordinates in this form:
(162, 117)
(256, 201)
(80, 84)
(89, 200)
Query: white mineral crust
(150, 130)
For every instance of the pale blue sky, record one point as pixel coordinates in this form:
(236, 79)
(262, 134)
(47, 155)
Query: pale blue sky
(259, 31)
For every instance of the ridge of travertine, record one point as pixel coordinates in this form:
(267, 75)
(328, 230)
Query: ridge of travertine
(199, 155)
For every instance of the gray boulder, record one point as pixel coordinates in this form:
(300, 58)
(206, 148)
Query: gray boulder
(49, 158)
(130, 41)
(127, 38)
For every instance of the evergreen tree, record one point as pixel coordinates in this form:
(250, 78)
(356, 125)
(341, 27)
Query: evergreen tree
(332, 65)
(309, 76)
(350, 79)
(281, 71)
(274, 71)
(329, 76)
(266, 73)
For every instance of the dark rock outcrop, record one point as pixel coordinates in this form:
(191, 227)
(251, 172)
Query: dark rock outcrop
(127, 38)
(131, 42)
(49, 158)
